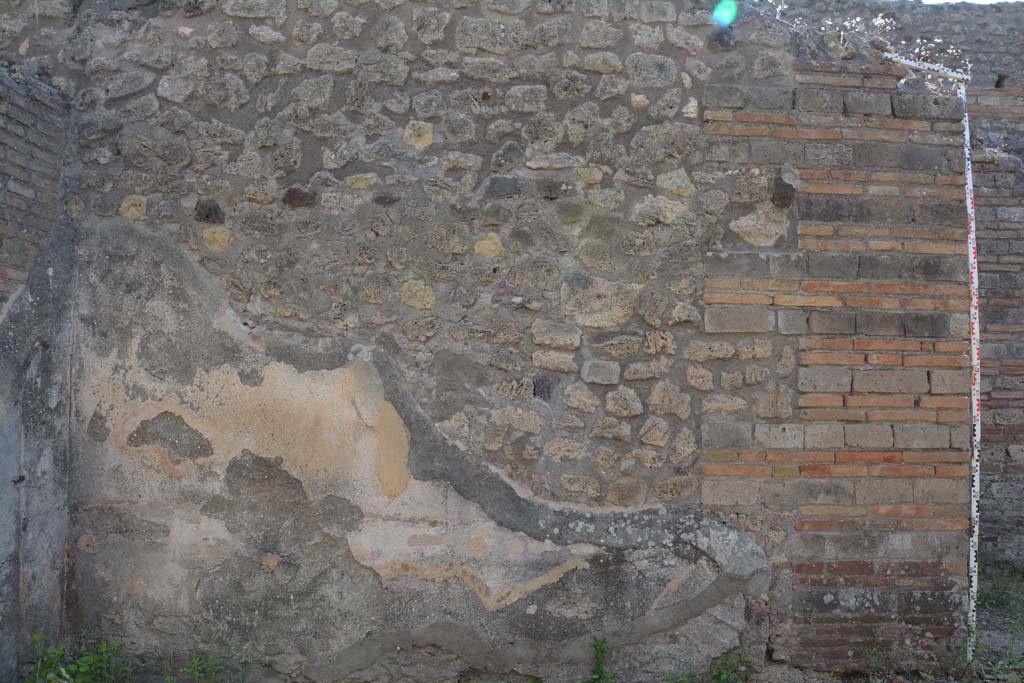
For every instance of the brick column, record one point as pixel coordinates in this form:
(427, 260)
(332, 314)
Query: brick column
(870, 474)
(30, 139)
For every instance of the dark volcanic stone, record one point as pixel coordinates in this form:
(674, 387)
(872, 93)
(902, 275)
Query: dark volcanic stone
(296, 197)
(209, 211)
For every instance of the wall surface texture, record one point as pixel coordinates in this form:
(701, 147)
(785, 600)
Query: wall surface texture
(430, 340)
(35, 357)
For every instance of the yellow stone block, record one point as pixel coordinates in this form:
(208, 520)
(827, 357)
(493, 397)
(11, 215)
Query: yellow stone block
(417, 294)
(133, 207)
(362, 181)
(217, 238)
(419, 134)
(489, 246)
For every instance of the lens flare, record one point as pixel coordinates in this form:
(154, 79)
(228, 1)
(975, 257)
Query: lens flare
(725, 13)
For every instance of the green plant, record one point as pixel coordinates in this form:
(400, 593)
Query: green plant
(98, 661)
(963, 668)
(730, 669)
(599, 674)
(876, 665)
(203, 670)
(48, 659)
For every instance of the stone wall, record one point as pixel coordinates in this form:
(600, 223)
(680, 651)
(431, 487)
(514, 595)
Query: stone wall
(36, 268)
(433, 340)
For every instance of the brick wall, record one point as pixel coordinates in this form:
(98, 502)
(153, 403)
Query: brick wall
(30, 140)
(871, 471)
(999, 185)
(982, 39)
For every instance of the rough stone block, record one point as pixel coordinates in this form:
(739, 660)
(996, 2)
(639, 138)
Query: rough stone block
(950, 381)
(926, 106)
(942, 490)
(960, 437)
(729, 491)
(723, 435)
(739, 319)
(786, 266)
(555, 361)
(832, 322)
(824, 379)
(820, 100)
(792, 321)
(867, 102)
(579, 397)
(775, 99)
(623, 402)
(869, 436)
(924, 268)
(878, 323)
(844, 266)
(848, 209)
(776, 151)
(821, 436)
(595, 302)
(921, 436)
(898, 381)
(601, 372)
(882, 491)
(828, 155)
(934, 325)
(700, 378)
(657, 11)
(555, 334)
(792, 493)
(610, 428)
(650, 71)
(700, 350)
(667, 399)
(725, 97)
(779, 436)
